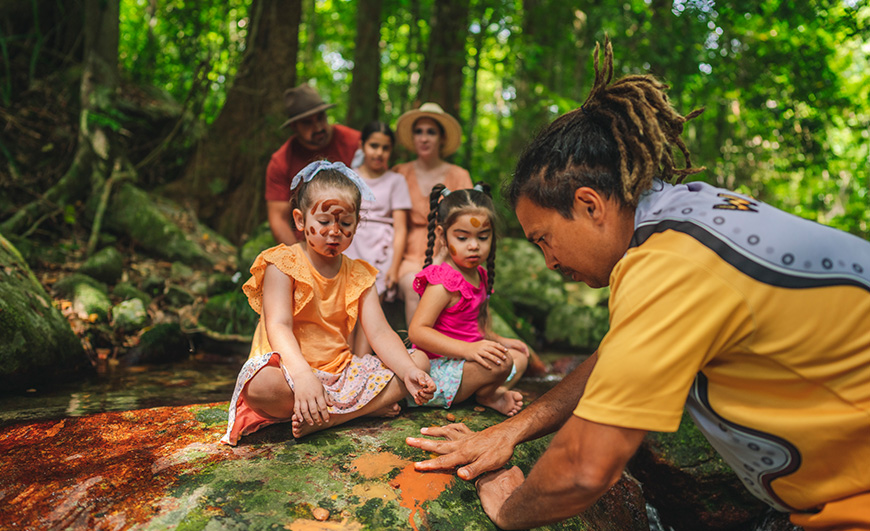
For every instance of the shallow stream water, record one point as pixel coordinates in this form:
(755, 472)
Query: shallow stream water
(203, 378)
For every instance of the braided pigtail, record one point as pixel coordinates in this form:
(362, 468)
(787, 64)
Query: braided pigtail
(434, 196)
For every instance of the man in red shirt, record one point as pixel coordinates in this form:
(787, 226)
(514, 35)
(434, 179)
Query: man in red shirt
(315, 138)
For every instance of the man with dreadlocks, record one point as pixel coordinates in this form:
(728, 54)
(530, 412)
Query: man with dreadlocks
(760, 318)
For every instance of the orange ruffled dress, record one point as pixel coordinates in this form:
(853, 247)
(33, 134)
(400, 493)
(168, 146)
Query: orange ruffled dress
(325, 311)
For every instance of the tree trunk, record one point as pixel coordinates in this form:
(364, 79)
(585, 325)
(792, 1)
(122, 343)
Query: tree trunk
(363, 100)
(442, 70)
(97, 142)
(224, 182)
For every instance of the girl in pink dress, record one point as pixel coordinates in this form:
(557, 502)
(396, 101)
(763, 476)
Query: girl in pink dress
(383, 227)
(451, 323)
(309, 297)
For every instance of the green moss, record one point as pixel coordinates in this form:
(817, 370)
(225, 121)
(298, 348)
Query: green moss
(212, 416)
(196, 520)
(377, 514)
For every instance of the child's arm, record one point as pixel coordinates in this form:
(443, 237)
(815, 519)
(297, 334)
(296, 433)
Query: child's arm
(515, 344)
(400, 239)
(422, 332)
(310, 399)
(390, 349)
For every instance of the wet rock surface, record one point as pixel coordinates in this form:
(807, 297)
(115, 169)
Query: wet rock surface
(163, 468)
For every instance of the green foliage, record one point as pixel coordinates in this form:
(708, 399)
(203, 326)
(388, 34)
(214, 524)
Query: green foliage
(191, 49)
(786, 87)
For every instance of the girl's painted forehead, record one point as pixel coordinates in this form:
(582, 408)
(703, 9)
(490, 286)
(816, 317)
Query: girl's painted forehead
(475, 219)
(330, 200)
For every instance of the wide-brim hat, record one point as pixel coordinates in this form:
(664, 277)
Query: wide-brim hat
(452, 130)
(302, 101)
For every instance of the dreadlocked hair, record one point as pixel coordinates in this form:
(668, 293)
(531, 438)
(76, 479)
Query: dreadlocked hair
(445, 206)
(618, 142)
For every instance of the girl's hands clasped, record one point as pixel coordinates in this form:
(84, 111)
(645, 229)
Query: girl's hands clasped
(419, 385)
(311, 399)
(487, 352)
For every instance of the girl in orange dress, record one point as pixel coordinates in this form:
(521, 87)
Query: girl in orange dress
(309, 297)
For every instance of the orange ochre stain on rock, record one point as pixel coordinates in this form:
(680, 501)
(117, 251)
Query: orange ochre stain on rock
(74, 469)
(419, 487)
(377, 464)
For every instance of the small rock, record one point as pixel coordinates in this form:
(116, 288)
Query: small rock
(451, 417)
(320, 514)
(479, 409)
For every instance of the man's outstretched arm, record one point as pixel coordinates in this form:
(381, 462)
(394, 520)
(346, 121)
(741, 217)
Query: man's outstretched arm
(491, 448)
(584, 460)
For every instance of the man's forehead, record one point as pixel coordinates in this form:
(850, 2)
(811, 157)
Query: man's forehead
(313, 118)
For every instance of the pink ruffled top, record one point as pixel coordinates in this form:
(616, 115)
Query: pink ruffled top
(459, 321)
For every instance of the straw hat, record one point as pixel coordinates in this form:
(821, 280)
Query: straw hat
(452, 131)
(302, 101)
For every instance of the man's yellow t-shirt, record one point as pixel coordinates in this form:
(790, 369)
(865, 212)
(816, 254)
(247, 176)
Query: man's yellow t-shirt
(762, 320)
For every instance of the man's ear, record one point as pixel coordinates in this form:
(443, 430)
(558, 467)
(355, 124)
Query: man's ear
(299, 219)
(589, 203)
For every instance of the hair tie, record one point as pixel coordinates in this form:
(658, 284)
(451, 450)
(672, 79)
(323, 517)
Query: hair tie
(308, 172)
(478, 187)
(583, 109)
(445, 192)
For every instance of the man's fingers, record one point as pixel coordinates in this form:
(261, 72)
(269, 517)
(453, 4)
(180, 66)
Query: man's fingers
(450, 431)
(430, 445)
(442, 462)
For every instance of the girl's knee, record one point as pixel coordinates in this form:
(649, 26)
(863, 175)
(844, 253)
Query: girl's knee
(521, 361)
(267, 386)
(421, 360)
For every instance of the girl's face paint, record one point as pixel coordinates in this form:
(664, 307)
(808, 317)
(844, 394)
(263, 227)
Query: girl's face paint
(330, 226)
(469, 244)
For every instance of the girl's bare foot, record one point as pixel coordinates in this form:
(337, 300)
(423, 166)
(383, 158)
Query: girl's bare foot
(504, 401)
(387, 411)
(300, 428)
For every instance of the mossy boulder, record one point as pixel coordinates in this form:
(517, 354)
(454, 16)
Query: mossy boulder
(129, 315)
(126, 291)
(163, 343)
(229, 314)
(166, 470)
(260, 240)
(88, 295)
(149, 222)
(690, 484)
(106, 265)
(36, 341)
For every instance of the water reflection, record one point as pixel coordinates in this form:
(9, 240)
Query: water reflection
(201, 379)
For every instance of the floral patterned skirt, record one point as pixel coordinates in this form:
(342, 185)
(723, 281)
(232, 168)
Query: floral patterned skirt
(351, 389)
(447, 374)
